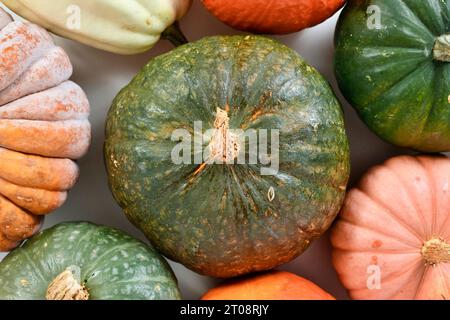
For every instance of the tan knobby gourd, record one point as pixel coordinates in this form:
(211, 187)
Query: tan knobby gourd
(43, 127)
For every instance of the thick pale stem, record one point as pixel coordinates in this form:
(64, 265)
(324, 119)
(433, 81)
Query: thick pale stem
(436, 251)
(224, 146)
(66, 286)
(441, 50)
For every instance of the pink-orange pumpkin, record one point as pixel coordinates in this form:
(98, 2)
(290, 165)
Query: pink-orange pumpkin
(392, 238)
(273, 17)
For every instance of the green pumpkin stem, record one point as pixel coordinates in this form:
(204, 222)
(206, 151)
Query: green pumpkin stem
(175, 35)
(441, 50)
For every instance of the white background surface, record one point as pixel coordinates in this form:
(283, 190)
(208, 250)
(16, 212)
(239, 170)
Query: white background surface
(103, 74)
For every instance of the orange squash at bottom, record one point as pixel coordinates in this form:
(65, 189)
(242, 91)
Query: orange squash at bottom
(274, 285)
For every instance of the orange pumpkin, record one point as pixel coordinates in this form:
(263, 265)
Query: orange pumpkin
(273, 17)
(274, 285)
(392, 238)
(43, 127)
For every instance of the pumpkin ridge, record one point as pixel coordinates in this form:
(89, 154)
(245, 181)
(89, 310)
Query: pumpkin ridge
(246, 202)
(30, 177)
(80, 241)
(17, 223)
(436, 99)
(447, 219)
(354, 224)
(266, 11)
(31, 262)
(433, 197)
(421, 282)
(412, 200)
(52, 69)
(419, 66)
(94, 264)
(417, 17)
(362, 105)
(23, 186)
(415, 264)
(30, 54)
(393, 216)
(446, 284)
(445, 269)
(444, 225)
(58, 139)
(35, 201)
(66, 101)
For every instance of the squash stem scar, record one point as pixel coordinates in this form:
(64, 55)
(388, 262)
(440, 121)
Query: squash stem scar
(224, 146)
(435, 251)
(441, 50)
(67, 286)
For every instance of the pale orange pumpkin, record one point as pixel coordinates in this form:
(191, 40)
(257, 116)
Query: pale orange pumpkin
(272, 285)
(392, 238)
(43, 127)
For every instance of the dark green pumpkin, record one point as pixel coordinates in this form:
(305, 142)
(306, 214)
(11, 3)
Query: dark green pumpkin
(85, 261)
(392, 64)
(227, 219)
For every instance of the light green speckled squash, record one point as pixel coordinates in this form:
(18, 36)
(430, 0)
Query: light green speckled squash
(223, 219)
(81, 261)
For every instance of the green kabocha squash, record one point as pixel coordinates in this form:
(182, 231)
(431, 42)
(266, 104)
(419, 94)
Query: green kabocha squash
(119, 26)
(392, 64)
(83, 261)
(220, 214)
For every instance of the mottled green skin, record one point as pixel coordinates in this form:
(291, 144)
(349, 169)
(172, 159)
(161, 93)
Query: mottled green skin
(114, 266)
(221, 222)
(390, 76)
